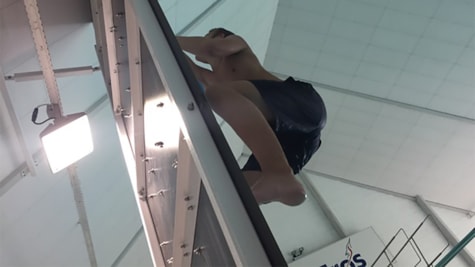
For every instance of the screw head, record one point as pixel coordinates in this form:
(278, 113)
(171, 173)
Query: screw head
(191, 106)
(159, 144)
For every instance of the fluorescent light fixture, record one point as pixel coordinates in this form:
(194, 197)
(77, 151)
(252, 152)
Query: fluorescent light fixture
(67, 140)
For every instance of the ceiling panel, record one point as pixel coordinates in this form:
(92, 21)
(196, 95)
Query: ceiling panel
(402, 115)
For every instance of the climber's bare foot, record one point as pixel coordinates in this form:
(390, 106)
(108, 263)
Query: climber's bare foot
(275, 186)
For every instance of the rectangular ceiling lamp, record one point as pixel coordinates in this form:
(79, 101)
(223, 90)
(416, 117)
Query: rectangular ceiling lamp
(67, 140)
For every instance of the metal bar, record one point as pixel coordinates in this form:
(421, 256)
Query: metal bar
(41, 46)
(30, 162)
(444, 229)
(385, 100)
(417, 251)
(136, 169)
(438, 255)
(409, 239)
(187, 195)
(135, 72)
(127, 248)
(323, 204)
(38, 75)
(386, 247)
(469, 213)
(109, 30)
(456, 249)
(81, 209)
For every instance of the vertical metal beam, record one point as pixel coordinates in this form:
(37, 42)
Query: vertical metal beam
(444, 229)
(30, 162)
(41, 45)
(81, 209)
(44, 58)
(187, 196)
(135, 171)
(323, 204)
(110, 30)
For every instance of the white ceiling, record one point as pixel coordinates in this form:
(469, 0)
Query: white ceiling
(417, 52)
(402, 115)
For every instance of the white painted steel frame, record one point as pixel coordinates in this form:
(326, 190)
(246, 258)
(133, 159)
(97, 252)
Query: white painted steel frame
(135, 160)
(111, 54)
(236, 226)
(144, 212)
(187, 196)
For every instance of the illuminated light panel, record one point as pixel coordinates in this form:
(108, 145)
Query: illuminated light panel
(67, 141)
(162, 122)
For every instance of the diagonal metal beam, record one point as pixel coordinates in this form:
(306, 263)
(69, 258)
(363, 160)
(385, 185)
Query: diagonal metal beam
(30, 162)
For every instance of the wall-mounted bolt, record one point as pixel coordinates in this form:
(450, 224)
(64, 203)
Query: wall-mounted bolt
(164, 243)
(120, 14)
(191, 207)
(183, 246)
(152, 170)
(159, 144)
(160, 105)
(186, 254)
(159, 193)
(146, 159)
(187, 198)
(199, 251)
(142, 193)
(119, 109)
(137, 62)
(175, 164)
(113, 29)
(191, 106)
(120, 38)
(127, 89)
(170, 260)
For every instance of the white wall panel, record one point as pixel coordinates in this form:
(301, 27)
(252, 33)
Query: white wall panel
(138, 255)
(358, 208)
(39, 224)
